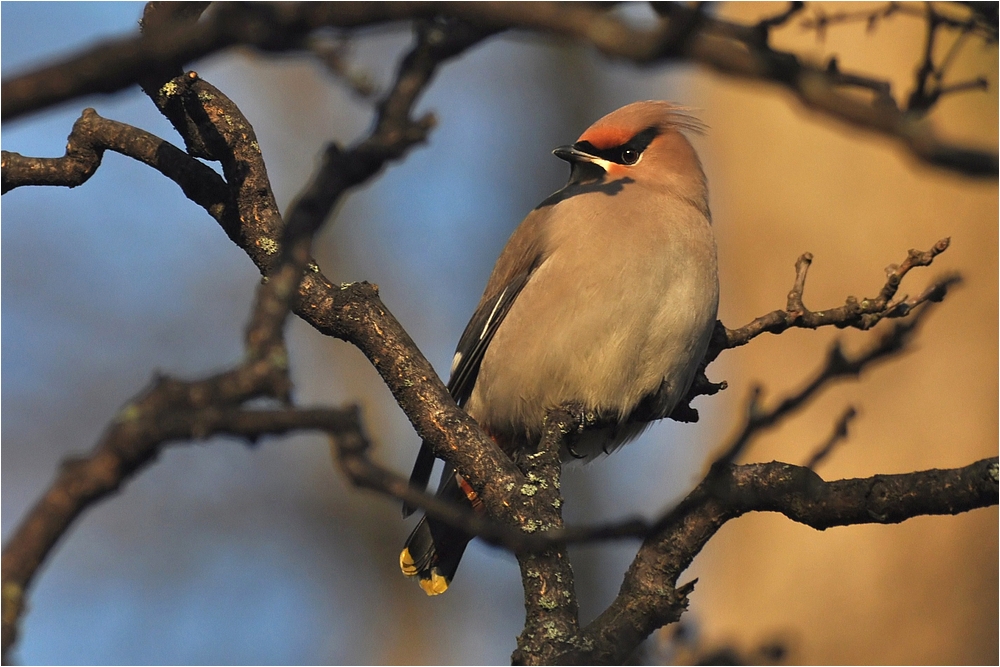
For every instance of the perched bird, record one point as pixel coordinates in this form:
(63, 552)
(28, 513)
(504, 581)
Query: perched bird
(604, 297)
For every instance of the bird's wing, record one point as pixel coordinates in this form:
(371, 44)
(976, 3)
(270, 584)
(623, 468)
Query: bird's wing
(469, 356)
(479, 333)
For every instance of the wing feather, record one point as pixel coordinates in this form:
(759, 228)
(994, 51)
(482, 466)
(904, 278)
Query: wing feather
(521, 257)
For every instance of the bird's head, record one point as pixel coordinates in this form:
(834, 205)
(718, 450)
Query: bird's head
(641, 142)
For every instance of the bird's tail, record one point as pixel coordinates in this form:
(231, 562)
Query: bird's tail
(434, 549)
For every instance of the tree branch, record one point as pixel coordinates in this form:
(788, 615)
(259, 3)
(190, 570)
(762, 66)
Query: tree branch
(858, 315)
(209, 120)
(168, 411)
(650, 596)
(729, 48)
(523, 500)
(90, 137)
(551, 610)
(861, 315)
(838, 435)
(837, 365)
(365, 473)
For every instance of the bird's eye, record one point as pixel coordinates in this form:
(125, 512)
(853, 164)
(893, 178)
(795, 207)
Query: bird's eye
(630, 156)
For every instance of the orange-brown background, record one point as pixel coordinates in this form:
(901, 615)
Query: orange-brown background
(787, 181)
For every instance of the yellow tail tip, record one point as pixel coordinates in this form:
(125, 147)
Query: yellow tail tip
(433, 585)
(406, 563)
(436, 585)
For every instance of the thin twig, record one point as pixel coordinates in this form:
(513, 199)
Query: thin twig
(856, 314)
(781, 19)
(837, 365)
(838, 435)
(863, 314)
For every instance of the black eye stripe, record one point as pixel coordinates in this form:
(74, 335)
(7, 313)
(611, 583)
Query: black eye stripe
(617, 154)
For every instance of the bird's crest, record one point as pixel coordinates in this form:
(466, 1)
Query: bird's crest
(620, 126)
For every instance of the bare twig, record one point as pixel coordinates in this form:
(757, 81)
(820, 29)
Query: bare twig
(856, 314)
(821, 21)
(838, 435)
(781, 19)
(928, 85)
(859, 315)
(972, 22)
(334, 55)
(837, 365)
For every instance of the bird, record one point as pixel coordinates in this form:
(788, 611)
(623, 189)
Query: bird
(605, 298)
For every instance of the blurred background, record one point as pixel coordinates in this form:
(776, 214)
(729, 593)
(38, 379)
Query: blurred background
(219, 553)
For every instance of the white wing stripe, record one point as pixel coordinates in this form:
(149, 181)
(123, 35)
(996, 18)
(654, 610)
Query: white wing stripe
(489, 319)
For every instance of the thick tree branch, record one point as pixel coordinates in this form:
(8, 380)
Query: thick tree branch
(551, 610)
(90, 137)
(727, 47)
(650, 596)
(353, 312)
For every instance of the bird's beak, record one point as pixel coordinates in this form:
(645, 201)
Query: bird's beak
(573, 154)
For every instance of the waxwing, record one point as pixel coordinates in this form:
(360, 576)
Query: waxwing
(604, 297)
